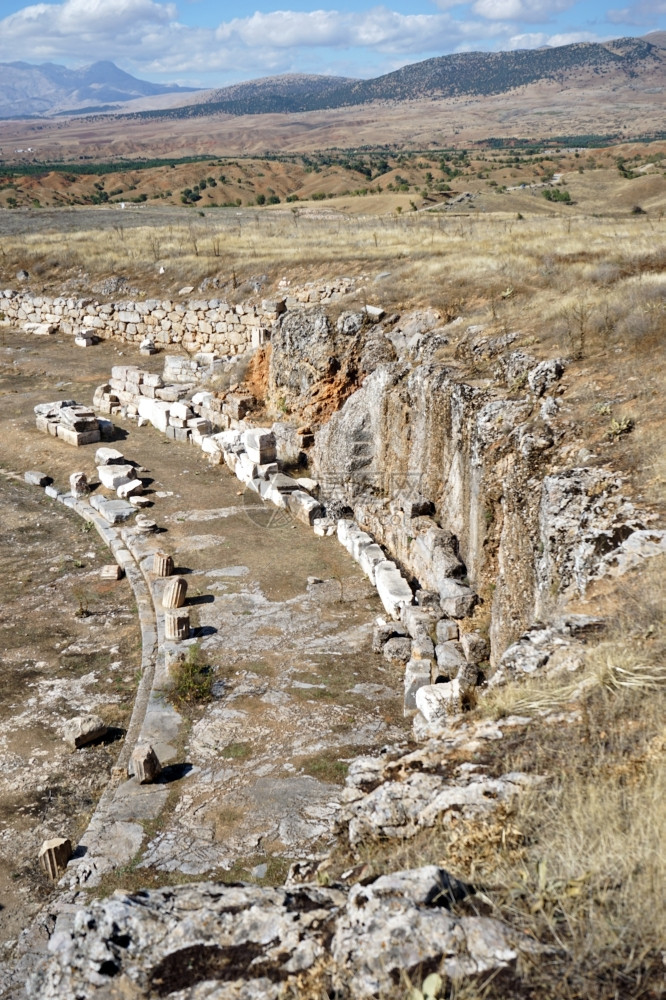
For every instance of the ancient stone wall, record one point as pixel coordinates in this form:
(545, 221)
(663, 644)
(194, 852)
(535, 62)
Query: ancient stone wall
(203, 325)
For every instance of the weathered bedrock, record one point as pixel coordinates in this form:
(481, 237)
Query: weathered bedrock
(466, 483)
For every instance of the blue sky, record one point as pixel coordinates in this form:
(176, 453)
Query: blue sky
(208, 44)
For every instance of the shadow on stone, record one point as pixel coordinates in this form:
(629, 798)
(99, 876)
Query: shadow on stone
(202, 631)
(173, 772)
(201, 599)
(112, 735)
(79, 852)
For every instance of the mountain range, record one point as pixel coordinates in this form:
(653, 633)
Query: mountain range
(459, 75)
(49, 90)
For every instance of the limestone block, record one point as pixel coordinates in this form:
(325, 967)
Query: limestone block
(456, 600)
(78, 438)
(113, 476)
(345, 529)
(131, 489)
(467, 678)
(111, 572)
(449, 658)
(397, 650)
(446, 629)
(324, 527)
(168, 394)
(437, 701)
(474, 646)
(369, 558)
(282, 483)
(418, 621)
(423, 649)
(114, 511)
(267, 470)
(383, 631)
(210, 445)
(176, 624)
(40, 329)
(429, 599)
(156, 411)
(83, 729)
(245, 468)
(304, 507)
(181, 411)
(260, 445)
(78, 484)
(360, 540)
(109, 456)
(417, 675)
(237, 407)
(162, 564)
(37, 478)
(275, 496)
(394, 591)
(174, 593)
(144, 764)
(54, 855)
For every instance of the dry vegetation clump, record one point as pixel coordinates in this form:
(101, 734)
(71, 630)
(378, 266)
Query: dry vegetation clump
(578, 862)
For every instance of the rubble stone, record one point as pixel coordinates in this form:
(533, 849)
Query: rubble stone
(54, 855)
(84, 729)
(144, 765)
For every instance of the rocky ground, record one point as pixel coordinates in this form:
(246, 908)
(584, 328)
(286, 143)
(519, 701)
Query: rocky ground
(284, 621)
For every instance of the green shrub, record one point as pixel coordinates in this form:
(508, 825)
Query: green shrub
(192, 679)
(557, 194)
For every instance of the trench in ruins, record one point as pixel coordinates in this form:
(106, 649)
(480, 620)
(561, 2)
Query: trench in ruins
(283, 618)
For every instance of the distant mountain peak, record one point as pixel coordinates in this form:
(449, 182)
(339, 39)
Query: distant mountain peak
(27, 89)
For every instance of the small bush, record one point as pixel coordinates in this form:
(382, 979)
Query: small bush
(557, 194)
(192, 679)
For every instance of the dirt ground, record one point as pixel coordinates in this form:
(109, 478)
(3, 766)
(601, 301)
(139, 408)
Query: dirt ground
(284, 620)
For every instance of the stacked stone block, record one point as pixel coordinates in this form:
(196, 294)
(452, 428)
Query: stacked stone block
(211, 326)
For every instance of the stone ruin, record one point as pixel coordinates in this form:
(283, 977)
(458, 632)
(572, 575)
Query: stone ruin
(72, 422)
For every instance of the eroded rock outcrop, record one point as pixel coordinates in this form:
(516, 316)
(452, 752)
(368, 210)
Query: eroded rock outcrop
(247, 942)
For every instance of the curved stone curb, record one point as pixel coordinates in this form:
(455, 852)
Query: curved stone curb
(147, 620)
(114, 833)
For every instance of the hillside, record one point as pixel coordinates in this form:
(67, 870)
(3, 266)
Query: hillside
(457, 75)
(27, 90)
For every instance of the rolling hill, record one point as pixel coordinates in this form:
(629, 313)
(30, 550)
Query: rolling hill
(459, 75)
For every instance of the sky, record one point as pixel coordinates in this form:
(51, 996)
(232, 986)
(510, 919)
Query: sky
(203, 43)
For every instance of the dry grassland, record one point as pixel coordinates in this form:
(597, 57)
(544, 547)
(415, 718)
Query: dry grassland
(578, 863)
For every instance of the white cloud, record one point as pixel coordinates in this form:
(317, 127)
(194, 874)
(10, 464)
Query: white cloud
(535, 39)
(77, 28)
(520, 10)
(645, 13)
(379, 28)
